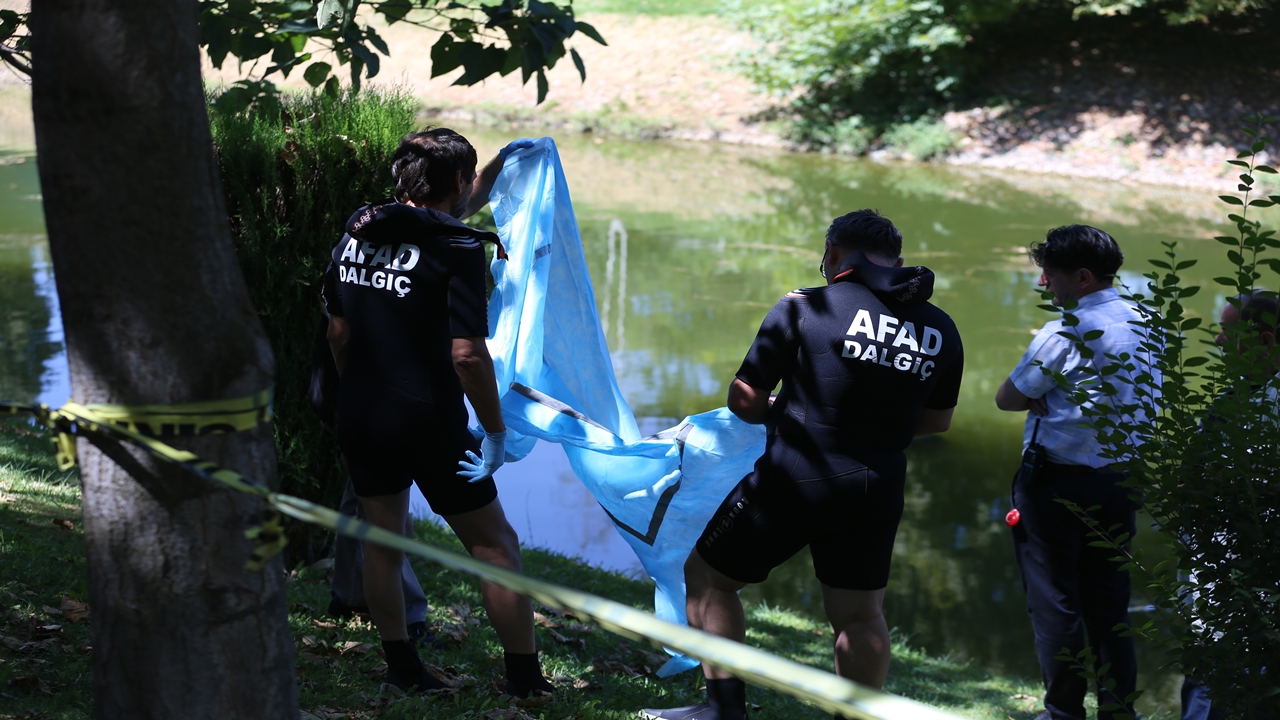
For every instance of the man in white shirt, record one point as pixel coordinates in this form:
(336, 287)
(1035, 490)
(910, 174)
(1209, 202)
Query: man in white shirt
(1073, 588)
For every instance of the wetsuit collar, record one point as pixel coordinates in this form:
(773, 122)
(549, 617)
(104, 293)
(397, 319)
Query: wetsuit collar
(447, 225)
(904, 284)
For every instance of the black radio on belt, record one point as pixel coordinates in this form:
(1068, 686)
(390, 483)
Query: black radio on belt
(1033, 458)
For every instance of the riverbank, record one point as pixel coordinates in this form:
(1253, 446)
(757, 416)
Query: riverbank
(45, 666)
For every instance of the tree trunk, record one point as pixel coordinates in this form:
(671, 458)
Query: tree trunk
(155, 310)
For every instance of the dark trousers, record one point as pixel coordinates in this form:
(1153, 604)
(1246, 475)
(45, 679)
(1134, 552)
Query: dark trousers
(1073, 588)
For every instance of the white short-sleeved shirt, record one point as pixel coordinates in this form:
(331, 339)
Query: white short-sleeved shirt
(1060, 432)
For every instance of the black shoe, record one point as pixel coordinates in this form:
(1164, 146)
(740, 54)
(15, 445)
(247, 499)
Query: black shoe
(540, 694)
(701, 711)
(339, 610)
(405, 671)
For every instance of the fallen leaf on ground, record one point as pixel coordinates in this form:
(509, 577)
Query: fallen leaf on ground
(74, 610)
(355, 647)
(64, 524)
(50, 611)
(580, 628)
(579, 642)
(557, 613)
(12, 643)
(310, 657)
(1027, 698)
(459, 611)
(581, 684)
(323, 624)
(654, 659)
(30, 683)
(543, 621)
(458, 633)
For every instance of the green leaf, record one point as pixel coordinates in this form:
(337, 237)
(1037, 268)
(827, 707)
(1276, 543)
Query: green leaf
(1265, 169)
(1238, 163)
(590, 32)
(1260, 203)
(316, 73)
(1231, 200)
(330, 12)
(1185, 264)
(333, 88)
(446, 55)
(577, 62)
(1196, 361)
(1093, 335)
(542, 86)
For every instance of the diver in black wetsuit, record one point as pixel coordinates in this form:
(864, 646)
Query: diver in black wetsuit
(866, 364)
(408, 320)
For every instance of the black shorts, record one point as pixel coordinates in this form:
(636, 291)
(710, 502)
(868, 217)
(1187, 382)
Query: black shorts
(846, 512)
(390, 440)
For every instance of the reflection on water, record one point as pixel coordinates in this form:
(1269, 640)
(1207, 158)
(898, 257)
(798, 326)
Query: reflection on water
(689, 246)
(32, 364)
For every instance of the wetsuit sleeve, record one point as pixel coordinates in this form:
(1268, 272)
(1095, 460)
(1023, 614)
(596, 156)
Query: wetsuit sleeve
(774, 351)
(468, 308)
(947, 392)
(331, 291)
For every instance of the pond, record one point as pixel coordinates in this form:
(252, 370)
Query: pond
(689, 246)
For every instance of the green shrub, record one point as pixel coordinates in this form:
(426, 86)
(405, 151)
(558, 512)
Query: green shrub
(885, 62)
(291, 177)
(845, 137)
(922, 139)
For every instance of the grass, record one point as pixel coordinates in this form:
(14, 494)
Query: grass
(45, 663)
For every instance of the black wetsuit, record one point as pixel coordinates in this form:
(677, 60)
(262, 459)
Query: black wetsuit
(408, 281)
(857, 360)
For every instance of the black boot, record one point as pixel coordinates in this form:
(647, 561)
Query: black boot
(405, 670)
(525, 681)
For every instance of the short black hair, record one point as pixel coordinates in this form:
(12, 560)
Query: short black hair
(426, 163)
(868, 231)
(1072, 247)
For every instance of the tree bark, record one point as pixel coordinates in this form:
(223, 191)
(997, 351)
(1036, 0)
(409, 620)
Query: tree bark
(155, 310)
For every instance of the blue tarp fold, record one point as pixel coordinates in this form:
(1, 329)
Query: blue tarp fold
(557, 384)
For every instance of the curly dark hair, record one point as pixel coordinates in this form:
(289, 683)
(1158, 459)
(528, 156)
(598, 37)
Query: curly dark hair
(426, 163)
(1072, 247)
(868, 231)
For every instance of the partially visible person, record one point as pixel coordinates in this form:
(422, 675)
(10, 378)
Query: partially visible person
(866, 364)
(346, 590)
(1248, 324)
(408, 320)
(1074, 589)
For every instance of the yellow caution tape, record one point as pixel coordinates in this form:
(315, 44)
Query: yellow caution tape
(830, 692)
(180, 420)
(200, 418)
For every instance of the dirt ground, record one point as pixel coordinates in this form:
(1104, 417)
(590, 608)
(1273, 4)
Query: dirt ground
(671, 73)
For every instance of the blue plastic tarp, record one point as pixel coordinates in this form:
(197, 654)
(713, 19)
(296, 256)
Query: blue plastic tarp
(557, 384)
